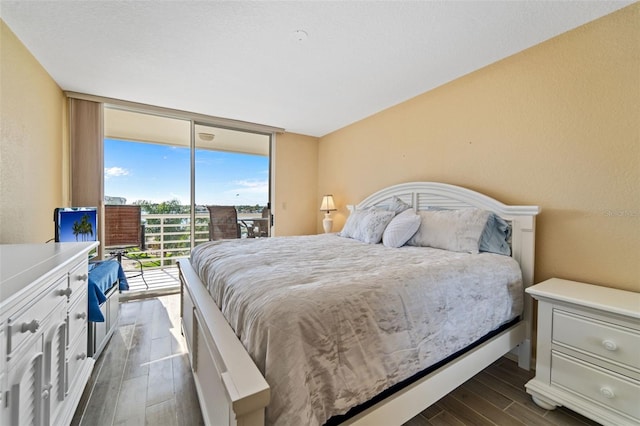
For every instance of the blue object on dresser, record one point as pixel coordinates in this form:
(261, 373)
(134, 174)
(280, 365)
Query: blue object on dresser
(102, 276)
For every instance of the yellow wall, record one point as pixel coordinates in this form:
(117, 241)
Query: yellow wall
(295, 180)
(32, 110)
(557, 125)
(34, 156)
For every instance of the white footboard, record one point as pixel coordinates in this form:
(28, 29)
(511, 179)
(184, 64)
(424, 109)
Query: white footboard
(231, 389)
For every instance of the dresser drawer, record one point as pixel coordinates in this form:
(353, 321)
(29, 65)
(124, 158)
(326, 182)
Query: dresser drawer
(77, 356)
(596, 384)
(77, 316)
(78, 279)
(603, 339)
(29, 320)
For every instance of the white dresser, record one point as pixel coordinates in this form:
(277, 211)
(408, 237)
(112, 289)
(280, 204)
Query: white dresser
(588, 351)
(43, 332)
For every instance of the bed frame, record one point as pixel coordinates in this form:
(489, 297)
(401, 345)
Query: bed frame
(231, 389)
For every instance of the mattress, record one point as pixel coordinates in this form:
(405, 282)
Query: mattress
(332, 322)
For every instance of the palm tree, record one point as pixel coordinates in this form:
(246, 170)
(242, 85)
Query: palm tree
(83, 228)
(76, 229)
(87, 227)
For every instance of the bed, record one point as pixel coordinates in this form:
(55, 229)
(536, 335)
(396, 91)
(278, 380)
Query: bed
(315, 329)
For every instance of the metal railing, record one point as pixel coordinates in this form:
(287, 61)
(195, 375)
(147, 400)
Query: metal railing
(167, 238)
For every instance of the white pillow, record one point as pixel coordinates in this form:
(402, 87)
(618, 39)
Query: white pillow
(454, 230)
(397, 205)
(401, 228)
(349, 228)
(367, 225)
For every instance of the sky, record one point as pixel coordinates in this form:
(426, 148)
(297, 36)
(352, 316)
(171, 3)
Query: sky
(157, 172)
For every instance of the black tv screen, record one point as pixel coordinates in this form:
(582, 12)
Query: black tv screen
(76, 224)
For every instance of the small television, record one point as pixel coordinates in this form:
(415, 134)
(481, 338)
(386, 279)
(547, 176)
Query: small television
(76, 224)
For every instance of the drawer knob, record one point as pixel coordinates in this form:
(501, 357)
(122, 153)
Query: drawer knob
(81, 356)
(66, 292)
(30, 326)
(609, 345)
(83, 277)
(45, 391)
(83, 315)
(607, 393)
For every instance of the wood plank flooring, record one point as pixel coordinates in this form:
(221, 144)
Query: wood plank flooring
(143, 377)
(495, 396)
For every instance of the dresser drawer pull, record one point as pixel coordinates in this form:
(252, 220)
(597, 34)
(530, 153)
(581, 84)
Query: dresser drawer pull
(609, 345)
(81, 356)
(45, 391)
(607, 393)
(66, 292)
(83, 315)
(83, 277)
(30, 326)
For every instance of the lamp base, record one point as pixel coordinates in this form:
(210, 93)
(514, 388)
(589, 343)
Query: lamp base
(327, 223)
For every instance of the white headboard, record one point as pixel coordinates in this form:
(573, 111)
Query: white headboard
(422, 195)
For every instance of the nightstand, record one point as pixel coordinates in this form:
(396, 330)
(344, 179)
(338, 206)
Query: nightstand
(588, 351)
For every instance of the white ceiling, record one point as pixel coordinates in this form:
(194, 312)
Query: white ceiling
(241, 60)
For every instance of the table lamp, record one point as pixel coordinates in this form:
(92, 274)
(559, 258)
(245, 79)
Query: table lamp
(327, 206)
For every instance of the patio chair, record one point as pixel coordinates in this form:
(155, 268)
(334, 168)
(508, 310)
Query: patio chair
(223, 222)
(257, 227)
(124, 230)
(263, 225)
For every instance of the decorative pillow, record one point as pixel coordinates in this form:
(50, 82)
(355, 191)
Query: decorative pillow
(367, 225)
(496, 236)
(401, 228)
(454, 230)
(397, 205)
(349, 228)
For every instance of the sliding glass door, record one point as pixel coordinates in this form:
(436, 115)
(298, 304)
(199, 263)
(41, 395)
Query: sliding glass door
(171, 170)
(232, 170)
(147, 171)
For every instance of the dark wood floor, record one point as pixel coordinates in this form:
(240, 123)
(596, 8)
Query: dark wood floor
(143, 378)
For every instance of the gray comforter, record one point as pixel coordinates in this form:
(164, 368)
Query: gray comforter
(332, 322)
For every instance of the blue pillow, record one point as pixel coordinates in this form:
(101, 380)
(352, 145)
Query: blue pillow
(496, 236)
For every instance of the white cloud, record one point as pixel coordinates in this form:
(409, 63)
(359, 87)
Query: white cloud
(251, 183)
(251, 188)
(115, 172)
(242, 192)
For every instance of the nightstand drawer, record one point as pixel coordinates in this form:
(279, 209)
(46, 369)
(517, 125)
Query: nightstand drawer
(596, 384)
(606, 340)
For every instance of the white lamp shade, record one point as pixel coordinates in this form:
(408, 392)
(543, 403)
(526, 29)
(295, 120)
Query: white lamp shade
(327, 203)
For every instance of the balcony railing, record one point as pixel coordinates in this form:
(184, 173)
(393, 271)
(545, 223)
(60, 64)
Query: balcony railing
(166, 240)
